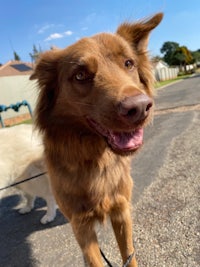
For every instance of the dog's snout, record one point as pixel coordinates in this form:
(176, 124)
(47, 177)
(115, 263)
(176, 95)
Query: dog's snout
(135, 108)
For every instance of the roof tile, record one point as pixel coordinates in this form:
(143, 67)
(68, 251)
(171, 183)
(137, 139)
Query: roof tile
(13, 68)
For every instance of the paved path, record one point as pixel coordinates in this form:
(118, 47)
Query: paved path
(166, 199)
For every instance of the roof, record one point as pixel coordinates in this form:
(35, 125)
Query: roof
(13, 68)
(159, 64)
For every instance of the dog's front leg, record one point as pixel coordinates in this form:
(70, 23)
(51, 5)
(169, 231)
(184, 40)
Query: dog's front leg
(122, 226)
(87, 239)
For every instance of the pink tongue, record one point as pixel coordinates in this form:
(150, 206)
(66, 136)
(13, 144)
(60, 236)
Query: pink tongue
(120, 140)
(126, 141)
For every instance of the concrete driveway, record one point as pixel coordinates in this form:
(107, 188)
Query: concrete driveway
(166, 199)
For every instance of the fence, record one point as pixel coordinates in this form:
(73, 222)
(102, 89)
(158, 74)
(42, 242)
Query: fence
(163, 74)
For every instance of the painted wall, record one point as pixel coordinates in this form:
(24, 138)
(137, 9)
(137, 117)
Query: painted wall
(15, 89)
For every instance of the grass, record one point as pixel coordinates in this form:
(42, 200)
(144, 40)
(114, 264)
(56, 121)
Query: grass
(28, 121)
(23, 122)
(160, 84)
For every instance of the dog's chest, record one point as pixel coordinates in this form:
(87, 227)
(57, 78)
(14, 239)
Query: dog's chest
(91, 186)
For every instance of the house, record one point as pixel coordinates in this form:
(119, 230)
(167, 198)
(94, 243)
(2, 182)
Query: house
(15, 68)
(163, 72)
(16, 87)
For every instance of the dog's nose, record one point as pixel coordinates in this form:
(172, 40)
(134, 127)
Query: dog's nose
(135, 108)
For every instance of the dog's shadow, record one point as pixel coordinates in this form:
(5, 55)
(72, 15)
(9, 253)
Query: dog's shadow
(16, 228)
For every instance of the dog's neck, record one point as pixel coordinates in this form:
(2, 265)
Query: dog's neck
(82, 144)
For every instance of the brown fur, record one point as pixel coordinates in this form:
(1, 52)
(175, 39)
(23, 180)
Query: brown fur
(91, 179)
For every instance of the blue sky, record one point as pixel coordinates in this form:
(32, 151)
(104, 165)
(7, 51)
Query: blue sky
(62, 22)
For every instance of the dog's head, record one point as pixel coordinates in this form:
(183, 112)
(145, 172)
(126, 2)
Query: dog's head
(102, 84)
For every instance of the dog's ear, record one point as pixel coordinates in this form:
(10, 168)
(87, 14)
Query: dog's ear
(45, 69)
(137, 34)
(46, 74)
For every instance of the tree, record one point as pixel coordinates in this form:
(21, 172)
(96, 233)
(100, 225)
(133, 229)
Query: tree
(168, 49)
(196, 56)
(16, 56)
(35, 54)
(182, 57)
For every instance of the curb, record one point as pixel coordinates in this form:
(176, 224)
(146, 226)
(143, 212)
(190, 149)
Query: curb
(164, 86)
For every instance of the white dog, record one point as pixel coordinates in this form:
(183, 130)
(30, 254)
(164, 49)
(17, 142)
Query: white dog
(21, 157)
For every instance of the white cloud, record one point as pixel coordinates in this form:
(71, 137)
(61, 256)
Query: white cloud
(54, 36)
(68, 33)
(45, 27)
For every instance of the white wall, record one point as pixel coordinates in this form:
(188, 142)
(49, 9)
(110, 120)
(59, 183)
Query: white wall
(15, 89)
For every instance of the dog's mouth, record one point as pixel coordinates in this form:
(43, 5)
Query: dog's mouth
(119, 141)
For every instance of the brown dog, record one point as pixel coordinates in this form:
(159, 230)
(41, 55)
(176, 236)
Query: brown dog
(95, 98)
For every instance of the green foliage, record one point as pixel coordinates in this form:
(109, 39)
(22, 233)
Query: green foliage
(176, 55)
(182, 56)
(35, 54)
(196, 55)
(168, 49)
(16, 56)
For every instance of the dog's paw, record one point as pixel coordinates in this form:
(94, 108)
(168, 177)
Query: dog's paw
(25, 210)
(47, 218)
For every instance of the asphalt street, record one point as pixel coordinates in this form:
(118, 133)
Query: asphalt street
(166, 208)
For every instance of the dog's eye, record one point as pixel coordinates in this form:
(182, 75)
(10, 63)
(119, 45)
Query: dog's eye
(83, 75)
(129, 64)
